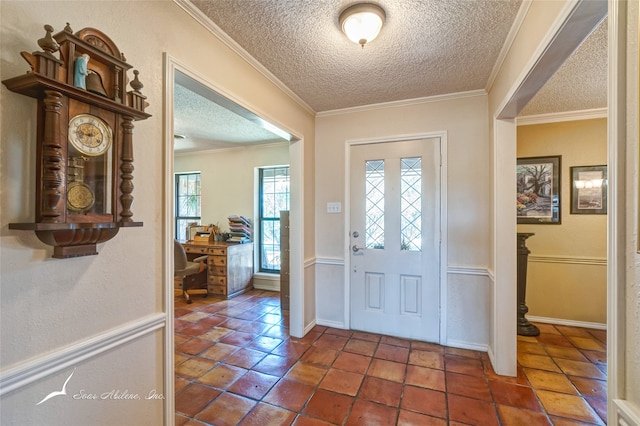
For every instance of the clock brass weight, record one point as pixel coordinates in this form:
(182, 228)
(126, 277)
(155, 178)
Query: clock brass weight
(84, 162)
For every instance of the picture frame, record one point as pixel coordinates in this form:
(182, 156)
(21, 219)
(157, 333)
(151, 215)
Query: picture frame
(589, 190)
(538, 190)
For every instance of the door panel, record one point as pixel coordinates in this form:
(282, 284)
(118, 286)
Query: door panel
(395, 239)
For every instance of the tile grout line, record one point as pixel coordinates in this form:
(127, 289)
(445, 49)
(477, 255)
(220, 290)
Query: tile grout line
(349, 336)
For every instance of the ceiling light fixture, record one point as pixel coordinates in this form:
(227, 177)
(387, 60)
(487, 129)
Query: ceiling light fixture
(362, 22)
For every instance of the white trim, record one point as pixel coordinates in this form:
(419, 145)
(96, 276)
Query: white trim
(569, 323)
(267, 286)
(297, 295)
(269, 282)
(557, 117)
(468, 345)
(508, 42)
(309, 327)
(332, 324)
(616, 205)
(203, 20)
(502, 337)
(168, 229)
(442, 136)
(492, 357)
(469, 270)
(240, 147)
(266, 277)
(332, 261)
(444, 235)
(403, 103)
(451, 269)
(41, 367)
(626, 413)
(573, 260)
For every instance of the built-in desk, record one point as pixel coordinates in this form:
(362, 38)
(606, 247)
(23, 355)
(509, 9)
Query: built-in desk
(229, 266)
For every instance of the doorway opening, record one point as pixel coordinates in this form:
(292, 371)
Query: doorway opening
(226, 104)
(581, 20)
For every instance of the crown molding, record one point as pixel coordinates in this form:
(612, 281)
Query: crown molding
(557, 117)
(508, 42)
(203, 20)
(240, 147)
(403, 103)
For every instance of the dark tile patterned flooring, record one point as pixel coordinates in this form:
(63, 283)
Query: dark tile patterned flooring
(235, 363)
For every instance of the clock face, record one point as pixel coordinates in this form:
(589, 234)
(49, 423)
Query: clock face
(80, 197)
(89, 134)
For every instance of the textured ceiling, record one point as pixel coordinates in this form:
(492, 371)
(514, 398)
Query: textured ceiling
(207, 120)
(426, 48)
(580, 84)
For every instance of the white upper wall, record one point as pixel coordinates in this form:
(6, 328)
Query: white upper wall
(463, 118)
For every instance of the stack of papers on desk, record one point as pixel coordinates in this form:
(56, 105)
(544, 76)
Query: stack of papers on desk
(240, 229)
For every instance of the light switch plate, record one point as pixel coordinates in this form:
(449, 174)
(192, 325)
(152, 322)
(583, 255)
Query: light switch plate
(335, 207)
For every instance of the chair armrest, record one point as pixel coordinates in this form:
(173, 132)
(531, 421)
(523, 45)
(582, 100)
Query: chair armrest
(201, 259)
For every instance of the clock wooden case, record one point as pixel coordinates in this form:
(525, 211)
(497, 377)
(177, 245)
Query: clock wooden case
(84, 146)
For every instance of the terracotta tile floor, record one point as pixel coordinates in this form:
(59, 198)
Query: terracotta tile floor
(236, 364)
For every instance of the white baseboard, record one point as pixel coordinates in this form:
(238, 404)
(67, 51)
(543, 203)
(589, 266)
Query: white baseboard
(332, 324)
(569, 323)
(467, 345)
(39, 368)
(626, 413)
(269, 282)
(267, 285)
(309, 326)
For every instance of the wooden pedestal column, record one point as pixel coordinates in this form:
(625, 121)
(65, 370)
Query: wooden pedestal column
(525, 328)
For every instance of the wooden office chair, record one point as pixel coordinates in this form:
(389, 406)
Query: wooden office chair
(183, 268)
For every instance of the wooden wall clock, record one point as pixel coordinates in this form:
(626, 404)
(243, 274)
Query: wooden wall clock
(84, 155)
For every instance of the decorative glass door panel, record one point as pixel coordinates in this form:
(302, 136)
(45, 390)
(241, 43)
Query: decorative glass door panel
(395, 240)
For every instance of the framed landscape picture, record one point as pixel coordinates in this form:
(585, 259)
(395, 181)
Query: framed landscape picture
(538, 189)
(589, 190)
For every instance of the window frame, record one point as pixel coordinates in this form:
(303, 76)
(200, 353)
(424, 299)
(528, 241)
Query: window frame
(261, 218)
(178, 194)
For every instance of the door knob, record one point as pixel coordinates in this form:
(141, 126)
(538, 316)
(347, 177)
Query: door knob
(356, 249)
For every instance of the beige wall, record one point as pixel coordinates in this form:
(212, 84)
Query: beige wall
(227, 178)
(630, 237)
(57, 315)
(464, 121)
(567, 276)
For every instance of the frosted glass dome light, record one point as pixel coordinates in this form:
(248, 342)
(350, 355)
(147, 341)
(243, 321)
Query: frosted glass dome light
(362, 22)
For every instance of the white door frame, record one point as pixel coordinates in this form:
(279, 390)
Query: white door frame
(442, 135)
(574, 23)
(296, 173)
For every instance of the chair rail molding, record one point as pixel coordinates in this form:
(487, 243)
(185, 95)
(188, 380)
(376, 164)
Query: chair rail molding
(573, 260)
(41, 367)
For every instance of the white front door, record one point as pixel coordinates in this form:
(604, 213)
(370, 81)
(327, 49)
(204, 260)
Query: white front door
(395, 238)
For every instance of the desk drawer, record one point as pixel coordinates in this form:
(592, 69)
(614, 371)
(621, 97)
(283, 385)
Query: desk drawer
(219, 290)
(218, 251)
(217, 261)
(217, 270)
(218, 280)
(196, 250)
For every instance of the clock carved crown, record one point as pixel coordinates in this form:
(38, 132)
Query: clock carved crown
(84, 163)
